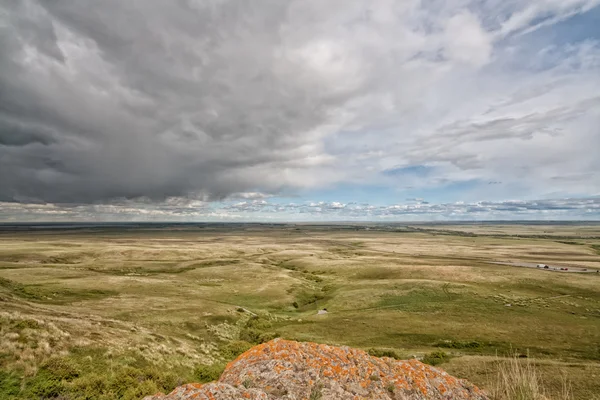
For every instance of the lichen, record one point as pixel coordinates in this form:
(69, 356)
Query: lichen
(339, 372)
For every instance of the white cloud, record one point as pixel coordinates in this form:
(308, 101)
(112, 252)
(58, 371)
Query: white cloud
(184, 104)
(533, 15)
(559, 209)
(466, 40)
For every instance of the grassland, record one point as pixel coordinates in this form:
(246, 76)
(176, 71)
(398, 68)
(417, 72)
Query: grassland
(119, 313)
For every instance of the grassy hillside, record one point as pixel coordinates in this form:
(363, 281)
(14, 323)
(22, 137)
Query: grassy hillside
(112, 313)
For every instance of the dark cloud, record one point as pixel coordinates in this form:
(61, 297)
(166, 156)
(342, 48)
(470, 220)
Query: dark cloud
(128, 99)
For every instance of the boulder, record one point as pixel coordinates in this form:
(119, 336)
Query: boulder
(282, 369)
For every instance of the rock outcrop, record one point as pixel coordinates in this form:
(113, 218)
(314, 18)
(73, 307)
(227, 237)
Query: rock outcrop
(282, 369)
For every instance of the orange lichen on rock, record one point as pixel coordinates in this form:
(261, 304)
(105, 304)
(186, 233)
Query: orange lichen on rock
(282, 369)
(210, 391)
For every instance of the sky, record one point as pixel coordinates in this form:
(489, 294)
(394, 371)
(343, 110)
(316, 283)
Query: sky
(299, 110)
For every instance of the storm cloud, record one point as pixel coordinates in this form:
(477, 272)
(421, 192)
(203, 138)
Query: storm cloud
(106, 104)
(129, 99)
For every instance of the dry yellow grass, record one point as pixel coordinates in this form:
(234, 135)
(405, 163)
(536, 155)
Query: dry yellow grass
(172, 296)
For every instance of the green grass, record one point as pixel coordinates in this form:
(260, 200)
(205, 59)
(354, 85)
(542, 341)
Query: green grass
(10, 384)
(208, 373)
(48, 294)
(256, 330)
(163, 268)
(86, 374)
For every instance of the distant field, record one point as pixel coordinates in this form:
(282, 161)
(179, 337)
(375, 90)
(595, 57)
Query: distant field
(576, 230)
(119, 313)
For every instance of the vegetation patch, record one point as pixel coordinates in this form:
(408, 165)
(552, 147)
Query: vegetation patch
(457, 344)
(376, 352)
(93, 373)
(316, 392)
(61, 260)
(436, 358)
(215, 263)
(377, 273)
(25, 324)
(416, 299)
(10, 384)
(312, 297)
(233, 349)
(208, 373)
(45, 294)
(309, 297)
(257, 330)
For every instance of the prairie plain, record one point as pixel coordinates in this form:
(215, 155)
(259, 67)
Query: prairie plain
(125, 311)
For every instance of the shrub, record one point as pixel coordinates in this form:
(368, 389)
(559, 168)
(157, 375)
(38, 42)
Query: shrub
(208, 373)
(44, 385)
(166, 380)
(140, 390)
(125, 379)
(27, 324)
(267, 336)
(233, 349)
(52, 378)
(91, 386)
(255, 331)
(258, 323)
(256, 336)
(384, 353)
(61, 368)
(436, 358)
(127, 376)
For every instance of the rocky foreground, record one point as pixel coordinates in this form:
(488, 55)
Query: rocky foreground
(282, 369)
